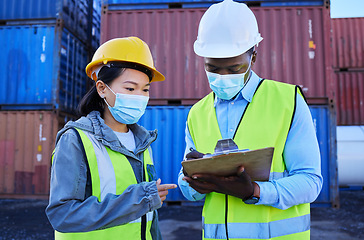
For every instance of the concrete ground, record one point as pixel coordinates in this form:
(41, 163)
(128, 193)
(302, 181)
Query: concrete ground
(25, 220)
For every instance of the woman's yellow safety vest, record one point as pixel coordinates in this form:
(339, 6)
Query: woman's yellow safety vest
(103, 159)
(265, 123)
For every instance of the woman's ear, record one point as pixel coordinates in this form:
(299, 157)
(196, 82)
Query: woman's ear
(100, 87)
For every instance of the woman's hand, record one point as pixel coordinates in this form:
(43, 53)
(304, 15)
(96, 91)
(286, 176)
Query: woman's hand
(163, 189)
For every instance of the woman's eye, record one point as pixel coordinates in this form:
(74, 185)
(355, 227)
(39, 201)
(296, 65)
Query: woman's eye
(146, 90)
(130, 89)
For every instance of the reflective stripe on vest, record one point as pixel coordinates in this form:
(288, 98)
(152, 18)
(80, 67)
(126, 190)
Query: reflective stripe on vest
(258, 230)
(265, 123)
(110, 172)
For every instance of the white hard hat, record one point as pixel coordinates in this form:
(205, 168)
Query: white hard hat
(226, 29)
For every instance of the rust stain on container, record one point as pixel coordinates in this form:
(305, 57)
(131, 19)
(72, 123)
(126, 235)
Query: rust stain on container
(295, 48)
(350, 98)
(26, 144)
(348, 41)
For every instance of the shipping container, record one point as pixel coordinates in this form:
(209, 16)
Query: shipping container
(294, 49)
(324, 120)
(27, 141)
(350, 98)
(72, 13)
(164, 4)
(26, 144)
(168, 149)
(43, 68)
(81, 17)
(96, 25)
(348, 43)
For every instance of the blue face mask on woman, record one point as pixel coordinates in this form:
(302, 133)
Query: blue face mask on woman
(226, 86)
(128, 108)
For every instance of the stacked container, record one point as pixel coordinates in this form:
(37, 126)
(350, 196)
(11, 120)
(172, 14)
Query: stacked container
(295, 50)
(46, 46)
(348, 63)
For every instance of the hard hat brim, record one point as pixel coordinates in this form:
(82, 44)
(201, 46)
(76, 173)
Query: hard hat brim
(157, 76)
(221, 50)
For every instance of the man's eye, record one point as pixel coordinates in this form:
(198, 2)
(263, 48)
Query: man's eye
(236, 69)
(211, 69)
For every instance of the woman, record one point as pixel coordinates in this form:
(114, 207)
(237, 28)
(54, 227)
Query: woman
(103, 182)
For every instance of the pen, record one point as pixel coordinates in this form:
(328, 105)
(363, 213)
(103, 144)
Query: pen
(191, 150)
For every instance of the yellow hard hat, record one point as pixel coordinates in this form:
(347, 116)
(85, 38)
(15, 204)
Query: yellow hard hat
(128, 50)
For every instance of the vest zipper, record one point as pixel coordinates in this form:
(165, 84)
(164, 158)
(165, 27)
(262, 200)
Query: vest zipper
(226, 216)
(144, 227)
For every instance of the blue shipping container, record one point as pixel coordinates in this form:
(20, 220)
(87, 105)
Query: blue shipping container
(168, 149)
(163, 4)
(324, 121)
(43, 68)
(72, 13)
(96, 24)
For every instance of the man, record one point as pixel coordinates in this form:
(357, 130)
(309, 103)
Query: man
(256, 113)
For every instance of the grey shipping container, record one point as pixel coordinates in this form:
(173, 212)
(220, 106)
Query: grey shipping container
(43, 68)
(294, 49)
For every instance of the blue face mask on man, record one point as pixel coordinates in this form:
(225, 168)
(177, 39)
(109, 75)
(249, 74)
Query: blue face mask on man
(128, 108)
(227, 86)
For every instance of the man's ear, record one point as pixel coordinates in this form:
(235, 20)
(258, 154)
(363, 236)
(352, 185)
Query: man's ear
(254, 56)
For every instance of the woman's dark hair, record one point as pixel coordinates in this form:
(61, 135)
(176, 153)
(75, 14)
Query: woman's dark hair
(92, 100)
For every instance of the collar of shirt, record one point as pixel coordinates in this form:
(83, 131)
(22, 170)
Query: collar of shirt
(247, 92)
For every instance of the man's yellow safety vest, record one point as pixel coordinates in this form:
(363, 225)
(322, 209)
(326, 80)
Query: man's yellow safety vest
(122, 178)
(265, 123)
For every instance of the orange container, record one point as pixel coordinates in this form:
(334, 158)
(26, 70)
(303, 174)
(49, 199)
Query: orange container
(26, 144)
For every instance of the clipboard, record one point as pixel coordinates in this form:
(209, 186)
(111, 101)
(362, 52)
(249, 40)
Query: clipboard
(257, 164)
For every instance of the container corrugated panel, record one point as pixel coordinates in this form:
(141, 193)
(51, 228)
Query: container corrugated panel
(325, 125)
(42, 68)
(294, 49)
(163, 4)
(96, 24)
(168, 149)
(350, 98)
(26, 144)
(72, 13)
(348, 39)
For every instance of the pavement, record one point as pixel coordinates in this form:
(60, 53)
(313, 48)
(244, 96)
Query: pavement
(26, 220)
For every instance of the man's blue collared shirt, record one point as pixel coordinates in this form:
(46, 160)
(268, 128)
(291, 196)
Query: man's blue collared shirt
(302, 182)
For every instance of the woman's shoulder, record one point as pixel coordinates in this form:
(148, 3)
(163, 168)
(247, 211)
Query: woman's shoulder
(83, 123)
